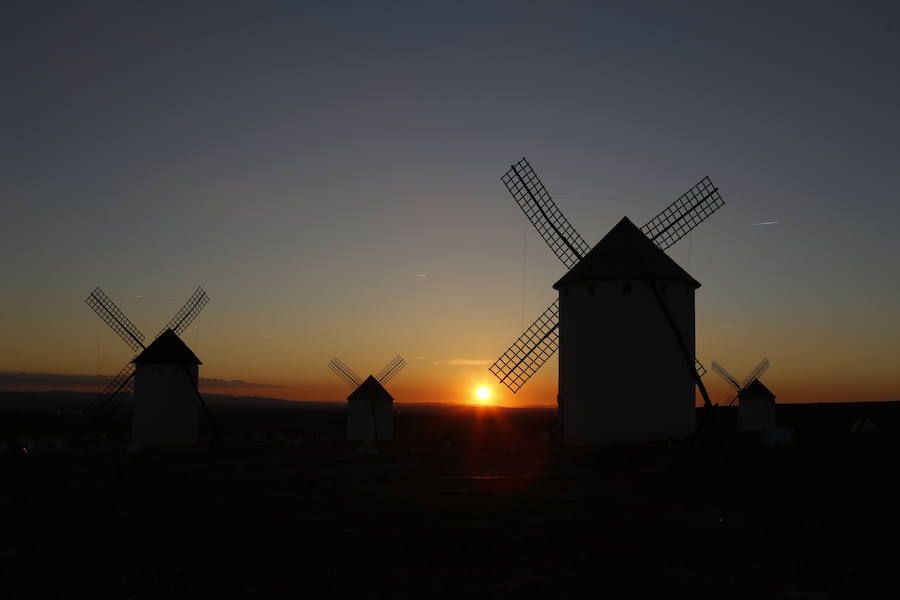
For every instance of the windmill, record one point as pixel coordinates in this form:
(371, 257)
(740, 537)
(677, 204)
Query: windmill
(370, 413)
(604, 390)
(756, 403)
(165, 347)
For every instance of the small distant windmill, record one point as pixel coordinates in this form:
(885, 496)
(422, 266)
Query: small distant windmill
(370, 412)
(639, 320)
(756, 403)
(150, 421)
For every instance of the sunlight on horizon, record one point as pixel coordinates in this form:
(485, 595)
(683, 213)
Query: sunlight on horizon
(483, 394)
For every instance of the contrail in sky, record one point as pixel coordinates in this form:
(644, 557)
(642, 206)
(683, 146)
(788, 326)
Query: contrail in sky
(765, 223)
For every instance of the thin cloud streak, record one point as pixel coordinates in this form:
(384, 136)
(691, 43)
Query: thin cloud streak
(467, 362)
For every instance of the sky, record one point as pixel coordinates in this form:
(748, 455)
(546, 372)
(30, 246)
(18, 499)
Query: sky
(329, 172)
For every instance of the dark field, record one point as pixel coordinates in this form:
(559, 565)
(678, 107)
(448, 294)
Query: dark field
(468, 502)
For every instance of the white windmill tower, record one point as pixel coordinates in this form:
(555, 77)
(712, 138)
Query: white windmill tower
(756, 402)
(165, 393)
(370, 408)
(625, 309)
(163, 376)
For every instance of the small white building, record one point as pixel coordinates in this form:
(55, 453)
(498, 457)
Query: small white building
(756, 407)
(370, 412)
(165, 396)
(622, 372)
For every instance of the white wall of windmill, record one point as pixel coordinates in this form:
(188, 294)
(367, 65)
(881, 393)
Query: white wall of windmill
(359, 419)
(622, 375)
(165, 405)
(755, 413)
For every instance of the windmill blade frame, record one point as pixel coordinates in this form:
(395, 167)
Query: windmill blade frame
(684, 214)
(344, 372)
(530, 351)
(187, 313)
(723, 372)
(391, 369)
(535, 201)
(761, 368)
(698, 366)
(113, 316)
(115, 392)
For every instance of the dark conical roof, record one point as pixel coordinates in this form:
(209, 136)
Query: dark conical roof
(626, 253)
(167, 349)
(756, 389)
(370, 389)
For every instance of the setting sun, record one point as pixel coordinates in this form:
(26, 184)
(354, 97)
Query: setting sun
(483, 394)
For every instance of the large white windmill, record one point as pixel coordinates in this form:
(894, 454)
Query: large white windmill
(163, 376)
(756, 402)
(370, 408)
(623, 322)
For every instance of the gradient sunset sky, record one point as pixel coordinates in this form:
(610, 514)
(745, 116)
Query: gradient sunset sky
(330, 173)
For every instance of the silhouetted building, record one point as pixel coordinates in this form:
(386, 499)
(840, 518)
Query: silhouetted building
(165, 395)
(370, 412)
(370, 408)
(756, 407)
(622, 373)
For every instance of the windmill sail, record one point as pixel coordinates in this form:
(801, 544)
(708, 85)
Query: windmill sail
(726, 375)
(698, 366)
(186, 315)
(115, 392)
(679, 218)
(107, 310)
(761, 368)
(535, 201)
(533, 348)
(391, 369)
(344, 372)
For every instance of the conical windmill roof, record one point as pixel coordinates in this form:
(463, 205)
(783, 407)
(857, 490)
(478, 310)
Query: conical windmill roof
(370, 389)
(167, 349)
(756, 389)
(626, 253)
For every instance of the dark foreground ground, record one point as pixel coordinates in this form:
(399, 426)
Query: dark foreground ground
(468, 503)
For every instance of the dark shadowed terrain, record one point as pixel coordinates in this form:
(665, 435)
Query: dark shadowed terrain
(468, 502)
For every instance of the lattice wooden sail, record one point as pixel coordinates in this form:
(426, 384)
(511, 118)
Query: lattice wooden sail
(724, 374)
(535, 201)
(679, 218)
(344, 372)
(121, 386)
(391, 369)
(528, 353)
(186, 315)
(107, 310)
(761, 368)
